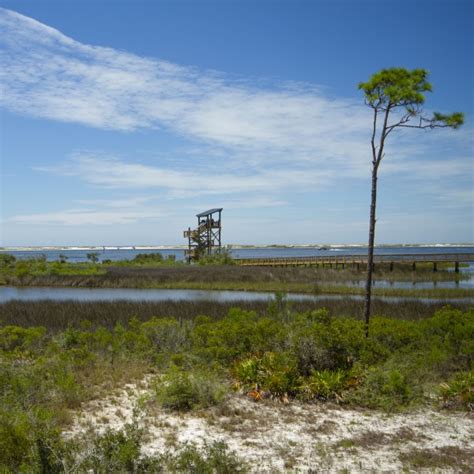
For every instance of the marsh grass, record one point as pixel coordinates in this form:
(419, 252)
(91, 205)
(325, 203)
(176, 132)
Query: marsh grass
(59, 315)
(236, 273)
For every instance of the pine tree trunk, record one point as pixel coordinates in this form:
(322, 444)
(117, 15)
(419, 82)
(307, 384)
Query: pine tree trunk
(370, 256)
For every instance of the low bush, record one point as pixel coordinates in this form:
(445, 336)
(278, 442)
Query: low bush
(276, 373)
(7, 261)
(152, 259)
(182, 390)
(224, 257)
(116, 451)
(213, 458)
(326, 384)
(458, 392)
(238, 334)
(385, 388)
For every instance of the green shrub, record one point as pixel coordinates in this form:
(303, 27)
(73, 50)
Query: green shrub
(181, 390)
(386, 389)
(6, 260)
(326, 384)
(459, 391)
(119, 451)
(22, 268)
(151, 259)
(29, 443)
(70, 391)
(93, 257)
(323, 343)
(214, 458)
(116, 451)
(224, 257)
(454, 331)
(20, 341)
(146, 258)
(15, 440)
(166, 335)
(239, 334)
(273, 372)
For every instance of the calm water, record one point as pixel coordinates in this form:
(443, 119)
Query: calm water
(8, 293)
(465, 284)
(80, 255)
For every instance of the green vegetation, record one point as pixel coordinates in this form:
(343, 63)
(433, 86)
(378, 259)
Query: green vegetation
(56, 355)
(23, 270)
(182, 390)
(148, 260)
(280, 353)
(224, 257)
(459, 390)
(93, 257)
(119, 451)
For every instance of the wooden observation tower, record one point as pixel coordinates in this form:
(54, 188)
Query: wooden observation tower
(206, 238)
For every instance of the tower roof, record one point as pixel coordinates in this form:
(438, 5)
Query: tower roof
(209, 212)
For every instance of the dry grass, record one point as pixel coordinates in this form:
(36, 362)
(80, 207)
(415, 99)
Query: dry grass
(441, 458)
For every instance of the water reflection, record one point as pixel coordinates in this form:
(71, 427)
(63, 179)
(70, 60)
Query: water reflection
(418, 285)
(8, 293)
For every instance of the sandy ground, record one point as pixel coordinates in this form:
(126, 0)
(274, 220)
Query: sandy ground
(274, 437)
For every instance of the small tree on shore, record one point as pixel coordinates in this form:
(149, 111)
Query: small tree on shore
(396, 97)
(93, 257)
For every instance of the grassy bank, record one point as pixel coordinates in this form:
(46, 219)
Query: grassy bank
(279, 351)
(153, 271)
(194, 281)
(156, 266)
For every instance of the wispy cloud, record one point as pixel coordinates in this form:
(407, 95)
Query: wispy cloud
(47, 74)
(243, 137)
(107, 171)
(79, 217)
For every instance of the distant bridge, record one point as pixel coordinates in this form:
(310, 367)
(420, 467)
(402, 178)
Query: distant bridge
(355, 261)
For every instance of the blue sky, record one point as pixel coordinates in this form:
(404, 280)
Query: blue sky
(123, 119)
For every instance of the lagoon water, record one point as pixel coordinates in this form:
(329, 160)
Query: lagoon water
(10, 293)
(467, 283)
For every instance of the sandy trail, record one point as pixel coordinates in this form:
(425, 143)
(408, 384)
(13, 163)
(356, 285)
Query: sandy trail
(273, 437)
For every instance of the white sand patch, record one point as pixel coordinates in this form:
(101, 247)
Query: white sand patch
(274, 437)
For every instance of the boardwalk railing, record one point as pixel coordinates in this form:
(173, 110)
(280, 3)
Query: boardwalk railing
(357, 260)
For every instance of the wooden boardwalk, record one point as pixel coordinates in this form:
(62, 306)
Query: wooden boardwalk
(356, 261)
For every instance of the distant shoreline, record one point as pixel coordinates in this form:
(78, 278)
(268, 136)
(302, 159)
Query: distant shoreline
(232, 246)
